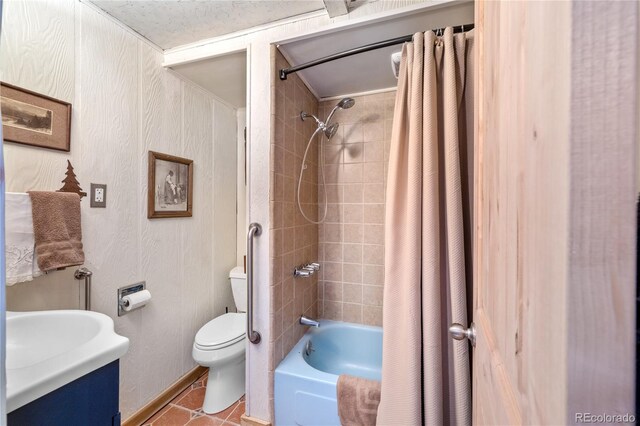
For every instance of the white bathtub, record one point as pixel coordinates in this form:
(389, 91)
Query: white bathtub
(305, 381)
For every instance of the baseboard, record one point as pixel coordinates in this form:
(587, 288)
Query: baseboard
(252, 421)
(164, 398)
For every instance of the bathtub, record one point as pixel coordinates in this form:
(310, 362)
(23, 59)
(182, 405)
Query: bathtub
(305, 381)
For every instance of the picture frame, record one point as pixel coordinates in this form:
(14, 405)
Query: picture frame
(170, 191)
(30, 118)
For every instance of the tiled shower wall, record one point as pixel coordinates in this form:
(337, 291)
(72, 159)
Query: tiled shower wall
(293, 240)
(352, 237)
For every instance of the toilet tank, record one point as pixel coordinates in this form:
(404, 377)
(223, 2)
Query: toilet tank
(239, 287)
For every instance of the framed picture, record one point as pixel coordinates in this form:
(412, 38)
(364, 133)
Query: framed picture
(170, 191)
(33, 119)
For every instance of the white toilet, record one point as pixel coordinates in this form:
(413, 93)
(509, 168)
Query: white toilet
(220, 345)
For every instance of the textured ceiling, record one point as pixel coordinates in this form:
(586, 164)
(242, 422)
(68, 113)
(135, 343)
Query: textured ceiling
(171, 23)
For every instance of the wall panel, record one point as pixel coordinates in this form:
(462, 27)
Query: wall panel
(44, 42)
(124, 104)
(225, 167)
(160, 240)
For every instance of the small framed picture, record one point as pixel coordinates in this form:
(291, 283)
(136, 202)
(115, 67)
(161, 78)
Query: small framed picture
(33, 119)
(170, 192)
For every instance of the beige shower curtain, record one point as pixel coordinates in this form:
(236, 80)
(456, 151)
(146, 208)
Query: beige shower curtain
(425, 373)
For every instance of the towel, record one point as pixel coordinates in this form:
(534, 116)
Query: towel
(358, 400)
(57, 231)
(19, 244)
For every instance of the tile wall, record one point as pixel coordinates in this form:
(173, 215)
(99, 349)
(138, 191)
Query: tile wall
(351, 241)
(293, 239)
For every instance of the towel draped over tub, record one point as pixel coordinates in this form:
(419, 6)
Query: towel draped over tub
(358, 400)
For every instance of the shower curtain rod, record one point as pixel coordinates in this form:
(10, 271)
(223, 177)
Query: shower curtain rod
(367, 48)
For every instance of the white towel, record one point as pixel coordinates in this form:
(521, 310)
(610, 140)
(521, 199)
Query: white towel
(20, 244)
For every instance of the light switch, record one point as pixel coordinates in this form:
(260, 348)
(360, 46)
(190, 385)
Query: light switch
(98, 195)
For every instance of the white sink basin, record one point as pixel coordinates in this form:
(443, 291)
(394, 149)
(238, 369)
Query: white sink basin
(48, 349)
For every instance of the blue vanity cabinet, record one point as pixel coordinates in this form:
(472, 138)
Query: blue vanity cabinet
(90, 400)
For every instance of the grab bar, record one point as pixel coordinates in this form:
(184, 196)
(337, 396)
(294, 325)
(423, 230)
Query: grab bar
(254, 230)
(84, 273)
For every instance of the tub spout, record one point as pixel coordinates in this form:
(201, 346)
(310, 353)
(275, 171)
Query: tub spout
(309, 321)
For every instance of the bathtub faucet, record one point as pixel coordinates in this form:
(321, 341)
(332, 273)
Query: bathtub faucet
(309, 321)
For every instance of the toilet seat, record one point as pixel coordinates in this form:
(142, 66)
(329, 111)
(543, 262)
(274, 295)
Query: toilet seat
(221, 332)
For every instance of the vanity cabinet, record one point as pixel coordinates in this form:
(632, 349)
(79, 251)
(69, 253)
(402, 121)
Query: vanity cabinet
(89, 400)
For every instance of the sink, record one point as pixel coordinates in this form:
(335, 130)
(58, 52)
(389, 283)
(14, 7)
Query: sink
(48, 349)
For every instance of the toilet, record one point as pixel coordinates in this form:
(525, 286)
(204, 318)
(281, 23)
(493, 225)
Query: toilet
(220, 345)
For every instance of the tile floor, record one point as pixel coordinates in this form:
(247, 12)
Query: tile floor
(186, 409)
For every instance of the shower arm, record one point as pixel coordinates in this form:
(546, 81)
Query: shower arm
(305, 115)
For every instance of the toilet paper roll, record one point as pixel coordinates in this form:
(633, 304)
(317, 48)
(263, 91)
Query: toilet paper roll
(136, 300)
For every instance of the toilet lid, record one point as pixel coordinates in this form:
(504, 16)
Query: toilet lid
(222, 331)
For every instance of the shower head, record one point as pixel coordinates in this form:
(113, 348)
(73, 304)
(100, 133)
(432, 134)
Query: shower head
(344, 103)
(331, 130)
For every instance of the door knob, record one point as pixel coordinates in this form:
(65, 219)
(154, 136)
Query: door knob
(458, 332)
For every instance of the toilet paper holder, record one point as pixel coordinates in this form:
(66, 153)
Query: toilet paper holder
(125, 291)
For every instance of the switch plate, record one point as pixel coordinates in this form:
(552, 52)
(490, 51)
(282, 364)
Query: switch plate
(98, 195)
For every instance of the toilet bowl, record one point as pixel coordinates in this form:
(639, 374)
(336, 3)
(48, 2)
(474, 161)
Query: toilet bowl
(220, 345)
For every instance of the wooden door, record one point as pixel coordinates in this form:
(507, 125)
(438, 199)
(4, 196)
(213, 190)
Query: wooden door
(554, 279)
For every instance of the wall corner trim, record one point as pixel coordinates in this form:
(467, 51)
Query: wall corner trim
(252, 421)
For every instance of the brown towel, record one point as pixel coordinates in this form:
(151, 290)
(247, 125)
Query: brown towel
(358, 400)
(56, 229)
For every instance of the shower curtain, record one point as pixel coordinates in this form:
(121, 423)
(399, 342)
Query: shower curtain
(425, 373)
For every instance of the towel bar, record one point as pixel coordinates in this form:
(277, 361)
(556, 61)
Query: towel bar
(84, 273)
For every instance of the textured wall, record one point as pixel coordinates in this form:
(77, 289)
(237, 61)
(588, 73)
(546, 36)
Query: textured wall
(225, 176)
(293, 240)
(241, 185)
(124, 104)
(352, 237)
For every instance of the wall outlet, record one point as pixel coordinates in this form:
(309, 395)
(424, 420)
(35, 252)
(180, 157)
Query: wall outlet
(98, 195)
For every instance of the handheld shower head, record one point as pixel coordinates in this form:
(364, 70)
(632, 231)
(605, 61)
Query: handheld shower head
(329, 131)
(344, 103)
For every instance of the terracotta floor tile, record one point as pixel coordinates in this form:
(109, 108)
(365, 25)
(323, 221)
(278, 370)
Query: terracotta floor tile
(193, 399)
(174, 416)
(201, 380)
(205, 421)
(181, 395)
(237, 413)
(186, 409)
(225, 413)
